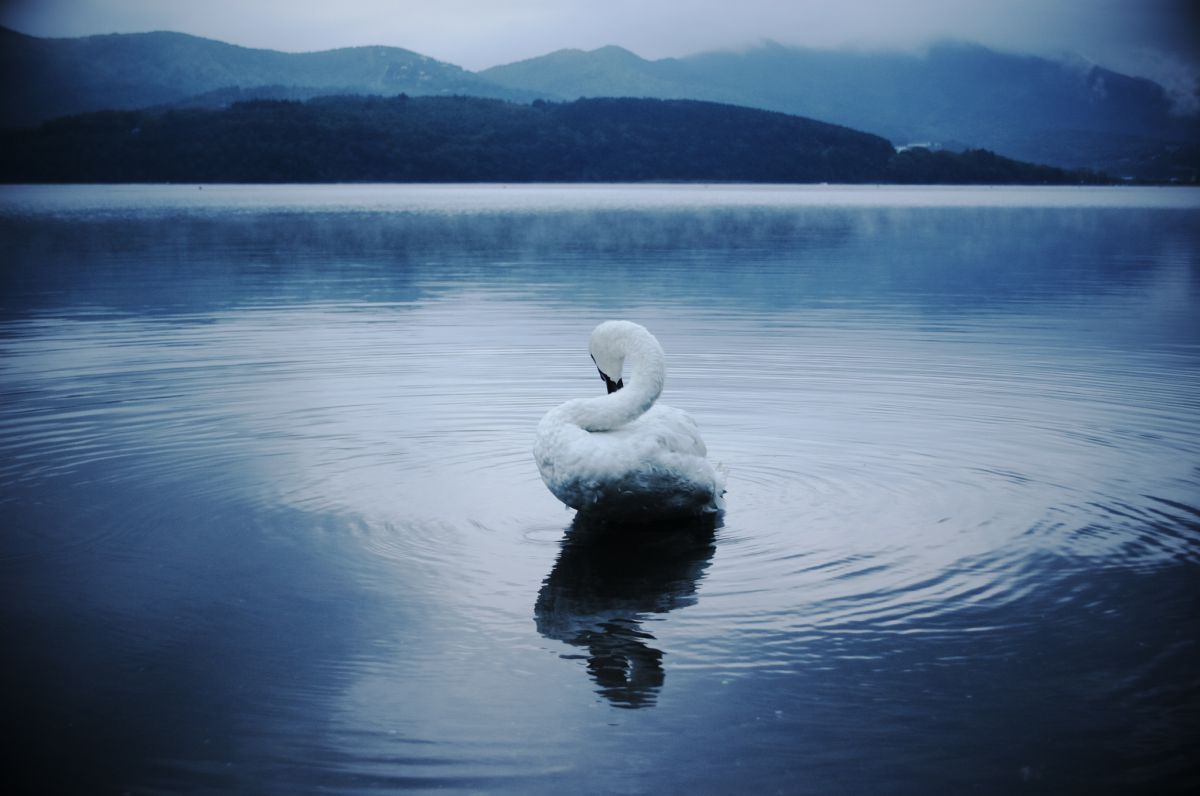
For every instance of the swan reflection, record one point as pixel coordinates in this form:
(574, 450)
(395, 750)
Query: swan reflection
(606, 580)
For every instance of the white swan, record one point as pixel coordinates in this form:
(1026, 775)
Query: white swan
(621, 456)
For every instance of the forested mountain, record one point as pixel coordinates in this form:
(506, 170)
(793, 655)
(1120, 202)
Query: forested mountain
(461, 139)
(45, 78)
(954, 96)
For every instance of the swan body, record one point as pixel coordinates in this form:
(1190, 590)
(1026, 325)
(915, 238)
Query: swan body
(621, 455)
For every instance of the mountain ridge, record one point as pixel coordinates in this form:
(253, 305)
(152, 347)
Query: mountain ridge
(466, 139)
(955, 96)
(46, 78)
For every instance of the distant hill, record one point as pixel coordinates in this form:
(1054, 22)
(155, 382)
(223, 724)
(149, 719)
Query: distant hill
(954, 97)
(45, 78)
(957, 95)
(462, 139)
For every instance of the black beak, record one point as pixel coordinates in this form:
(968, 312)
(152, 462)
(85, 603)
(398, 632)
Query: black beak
(612, 386)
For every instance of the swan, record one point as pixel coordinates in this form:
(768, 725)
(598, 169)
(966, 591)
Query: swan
(621, 456)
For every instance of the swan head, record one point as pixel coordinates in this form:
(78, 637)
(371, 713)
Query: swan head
(608, 345)
(631, 361)
(610, 385)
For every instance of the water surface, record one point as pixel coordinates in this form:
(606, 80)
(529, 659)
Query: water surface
(272, 523)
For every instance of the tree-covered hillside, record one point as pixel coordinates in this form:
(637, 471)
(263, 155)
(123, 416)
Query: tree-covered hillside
(45, 78)
(1066, 112)
(461, 139)
(954, 96)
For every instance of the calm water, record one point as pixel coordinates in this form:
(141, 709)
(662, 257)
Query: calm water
(272, 524)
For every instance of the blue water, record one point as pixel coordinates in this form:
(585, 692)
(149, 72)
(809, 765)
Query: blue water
(271, 523)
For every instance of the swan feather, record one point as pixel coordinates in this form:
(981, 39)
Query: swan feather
(622, 455)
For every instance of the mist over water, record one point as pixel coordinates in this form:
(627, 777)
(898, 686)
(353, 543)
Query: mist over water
(272, 521)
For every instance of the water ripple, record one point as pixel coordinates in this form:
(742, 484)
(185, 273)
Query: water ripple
(297, 463)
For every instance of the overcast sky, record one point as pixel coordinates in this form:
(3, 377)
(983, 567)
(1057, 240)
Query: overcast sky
(1154, 38)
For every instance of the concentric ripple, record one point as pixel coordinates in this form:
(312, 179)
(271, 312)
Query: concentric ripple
(266, 474)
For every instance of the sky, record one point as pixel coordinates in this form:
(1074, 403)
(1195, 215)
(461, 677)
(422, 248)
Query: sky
(1159, 39)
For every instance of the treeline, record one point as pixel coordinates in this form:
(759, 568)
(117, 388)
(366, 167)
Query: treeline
(918, 166)
(464, 139)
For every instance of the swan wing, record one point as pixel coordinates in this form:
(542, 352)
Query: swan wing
(654, 464)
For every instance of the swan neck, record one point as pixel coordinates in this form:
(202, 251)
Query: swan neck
(646, 371)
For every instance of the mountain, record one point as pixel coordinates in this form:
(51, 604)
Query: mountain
(466, 139)
(606, 72)
(955, 96)
(441, 139)
(1068, 113)
(45, 78)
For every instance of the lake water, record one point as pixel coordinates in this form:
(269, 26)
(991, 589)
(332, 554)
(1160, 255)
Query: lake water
(271, 521)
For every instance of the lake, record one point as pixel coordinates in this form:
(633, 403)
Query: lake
(272, 522)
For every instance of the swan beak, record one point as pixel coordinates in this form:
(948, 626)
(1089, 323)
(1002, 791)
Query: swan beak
(612, 386)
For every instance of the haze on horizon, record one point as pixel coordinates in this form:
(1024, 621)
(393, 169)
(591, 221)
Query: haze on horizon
(1158, 39)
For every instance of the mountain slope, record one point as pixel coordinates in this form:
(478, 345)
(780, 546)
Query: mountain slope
(955, 96)
(45, 78)
(606, 72)
(463, 139)
(1070, 114)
